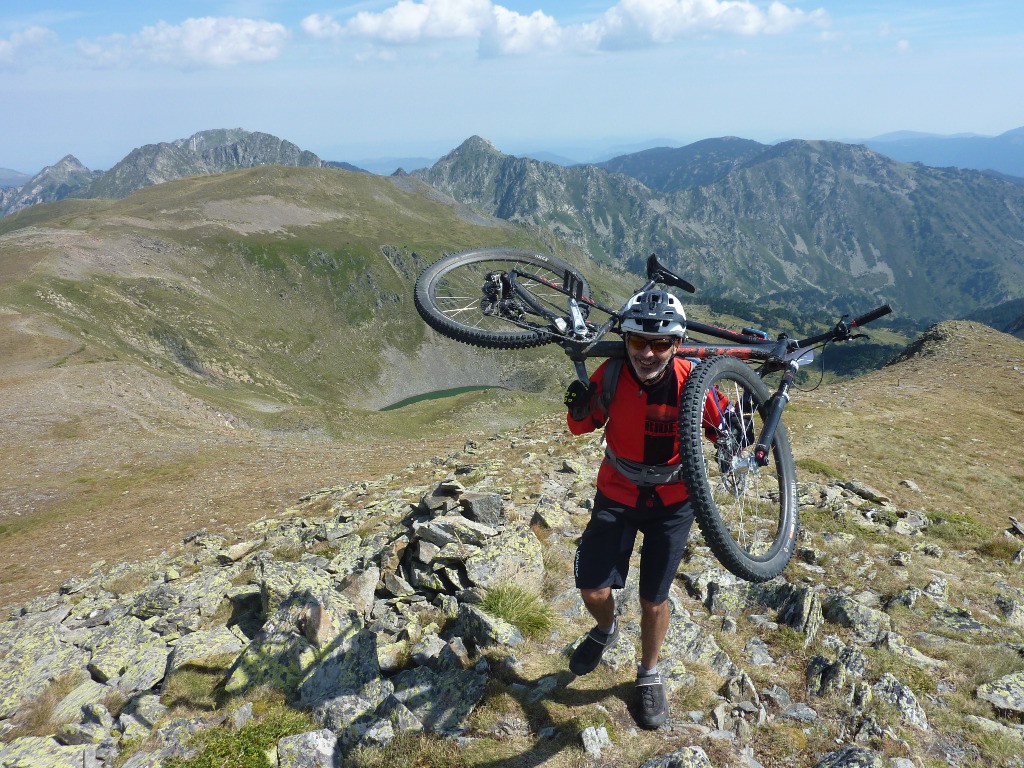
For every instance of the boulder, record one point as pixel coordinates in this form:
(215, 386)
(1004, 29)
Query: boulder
(314, 749)
(686, 757)
(890, 689)
(217, 641)
(483, 629)
(486, 508)
(33, 657)
(1005, 694)
(515, 557)
(867, 624)
(440, 699)
(851, 756)
(44, 752)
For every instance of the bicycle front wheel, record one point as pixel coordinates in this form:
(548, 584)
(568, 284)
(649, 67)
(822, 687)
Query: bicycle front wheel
(747, 513)
(466, 296)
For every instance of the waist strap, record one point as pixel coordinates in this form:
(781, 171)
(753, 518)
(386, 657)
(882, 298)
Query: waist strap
(644, 474)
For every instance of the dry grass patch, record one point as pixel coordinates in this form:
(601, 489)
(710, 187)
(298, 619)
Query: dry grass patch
(37, 718)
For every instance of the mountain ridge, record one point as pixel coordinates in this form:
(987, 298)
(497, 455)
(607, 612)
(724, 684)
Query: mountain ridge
(823, 219)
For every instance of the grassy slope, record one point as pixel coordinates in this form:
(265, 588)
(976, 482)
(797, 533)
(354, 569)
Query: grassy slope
(203, 352)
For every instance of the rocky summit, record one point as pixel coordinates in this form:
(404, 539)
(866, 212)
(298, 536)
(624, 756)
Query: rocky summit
(359, 628)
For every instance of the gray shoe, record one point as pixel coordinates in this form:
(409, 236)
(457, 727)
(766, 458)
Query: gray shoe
(588, 653)
(653, 704)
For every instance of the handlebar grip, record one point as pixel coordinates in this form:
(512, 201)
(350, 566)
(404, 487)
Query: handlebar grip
(874, 314)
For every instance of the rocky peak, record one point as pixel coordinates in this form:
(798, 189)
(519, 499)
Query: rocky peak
(65, 178)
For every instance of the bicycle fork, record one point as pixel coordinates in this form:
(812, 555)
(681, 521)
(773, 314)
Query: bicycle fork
(773, 414)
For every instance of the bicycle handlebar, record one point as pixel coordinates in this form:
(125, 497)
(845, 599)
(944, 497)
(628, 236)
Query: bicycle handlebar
(874, 314)
(841, 332)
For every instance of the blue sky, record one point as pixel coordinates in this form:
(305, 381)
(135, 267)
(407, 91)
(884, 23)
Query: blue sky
(351, 81)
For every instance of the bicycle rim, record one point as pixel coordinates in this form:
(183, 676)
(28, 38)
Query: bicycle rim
(456, 296)
(747, 513)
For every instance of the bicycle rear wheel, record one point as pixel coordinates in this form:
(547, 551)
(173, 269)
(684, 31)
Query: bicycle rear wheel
(465, 297)
(747, 513)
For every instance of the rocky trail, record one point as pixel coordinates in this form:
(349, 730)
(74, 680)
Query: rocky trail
(362, 614)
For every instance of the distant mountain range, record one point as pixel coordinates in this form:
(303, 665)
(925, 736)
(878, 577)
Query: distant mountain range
(796, 224)
(203, 153)
(1002, 154)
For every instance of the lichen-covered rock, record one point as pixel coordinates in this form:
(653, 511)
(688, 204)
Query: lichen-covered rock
(483, 629)
(217, 641)
(687, 757)
(314, 749)
(961, 620)
(139, 716)
(594, 739)
(1011, 608)
(548, 514)
(44, 752)
(484, 507)
(69, 709)
(454, 529)
(890, 689)
(515, 557)
(440, 700)
(868, 624)
(349, 666)
(118, 646)
(1006, 693)
(825, 676)
(33, 657)
(687, 640)
(280, 582)
(851, 756)
(895, 644)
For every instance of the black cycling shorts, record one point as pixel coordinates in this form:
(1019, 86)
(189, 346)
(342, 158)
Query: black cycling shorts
(602, 558)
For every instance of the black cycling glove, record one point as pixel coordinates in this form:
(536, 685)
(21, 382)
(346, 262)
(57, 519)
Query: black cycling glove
(578, 399)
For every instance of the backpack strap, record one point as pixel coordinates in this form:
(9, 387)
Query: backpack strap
(610, 382)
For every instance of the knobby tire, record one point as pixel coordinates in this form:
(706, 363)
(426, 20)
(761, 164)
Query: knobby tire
(748, 516)
(449, 296)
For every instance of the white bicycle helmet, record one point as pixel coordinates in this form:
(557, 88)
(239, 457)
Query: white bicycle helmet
(655, 312)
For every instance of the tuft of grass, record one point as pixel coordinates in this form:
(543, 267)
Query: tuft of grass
(816, 467)
(999, 548)
(197, 686)
(249, 746)
(411, 751)
(954, 527)
(521, 608)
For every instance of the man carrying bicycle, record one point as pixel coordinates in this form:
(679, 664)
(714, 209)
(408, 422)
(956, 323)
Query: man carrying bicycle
(638, 488)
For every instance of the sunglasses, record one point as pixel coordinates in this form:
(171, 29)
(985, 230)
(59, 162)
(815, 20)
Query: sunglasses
(658, 346)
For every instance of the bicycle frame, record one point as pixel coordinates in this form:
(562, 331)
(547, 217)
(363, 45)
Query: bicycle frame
(784, 353)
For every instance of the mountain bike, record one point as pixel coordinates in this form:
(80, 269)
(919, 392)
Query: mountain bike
(736, 462)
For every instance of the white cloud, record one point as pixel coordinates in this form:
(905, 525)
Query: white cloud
(195, 43)
(21, 46)
(409, 21)
(635, 23)
(321, 27)
(513, 33)
(500, 31)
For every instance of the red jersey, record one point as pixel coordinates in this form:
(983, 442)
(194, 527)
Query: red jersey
(642, 426)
